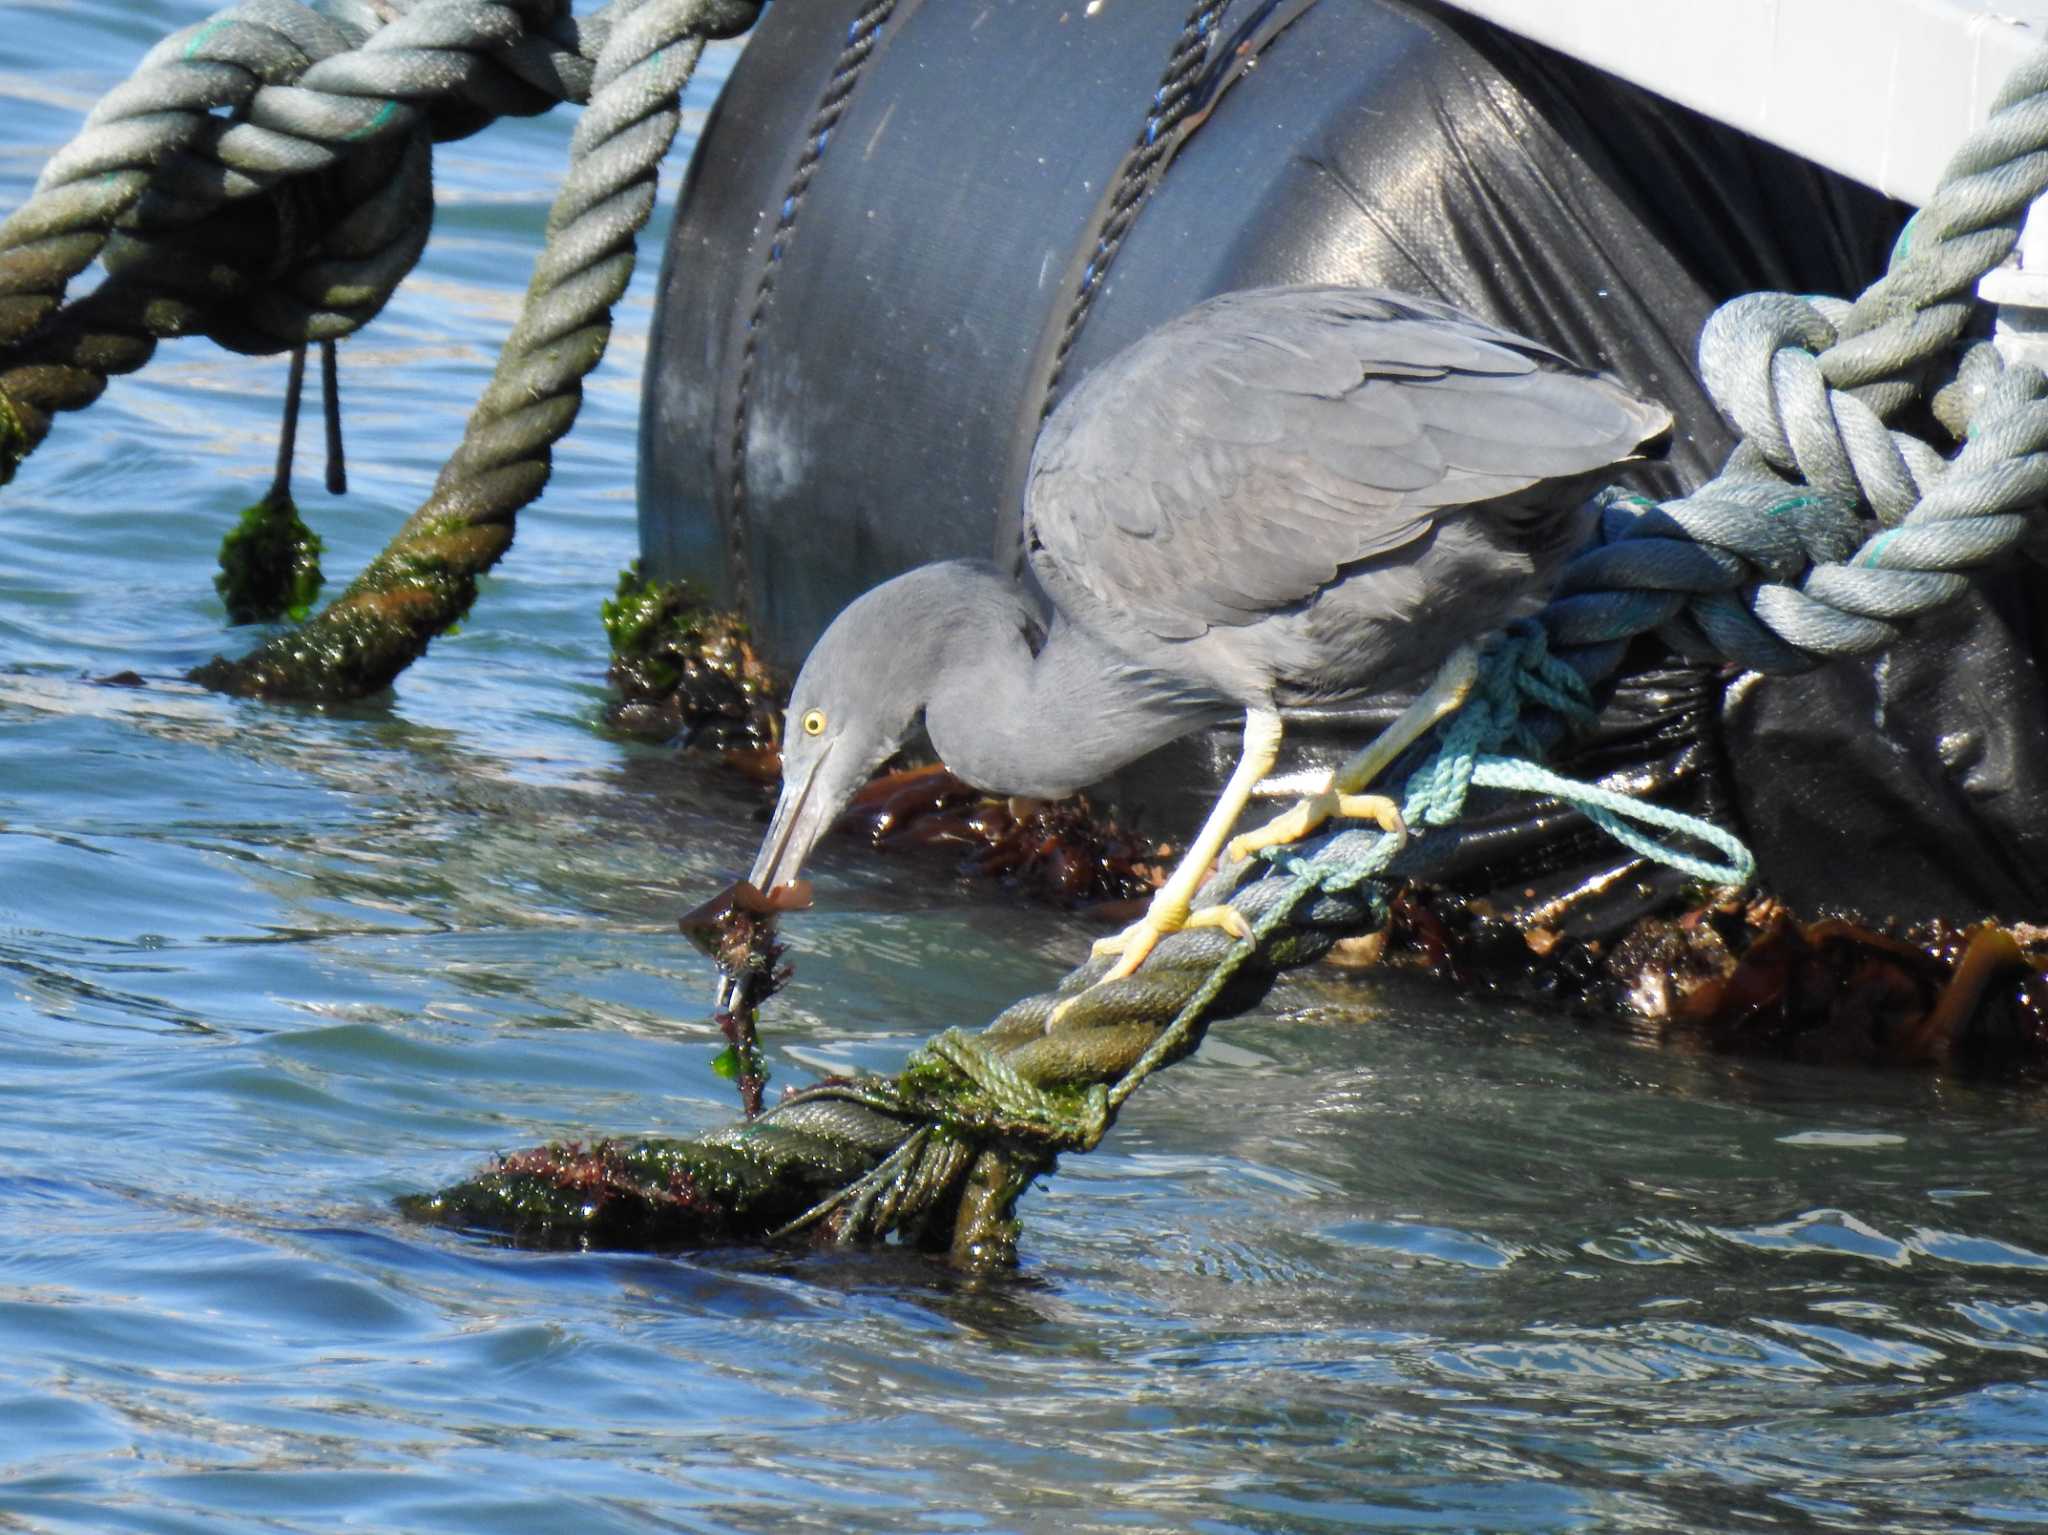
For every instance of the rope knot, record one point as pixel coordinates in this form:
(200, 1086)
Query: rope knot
(313, 258)
(958, 1082)
(1517, 678)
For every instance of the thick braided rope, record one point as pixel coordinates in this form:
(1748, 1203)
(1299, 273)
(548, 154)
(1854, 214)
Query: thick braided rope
(311, 104)
(302, 91)
(1771, 564)
(426, 577)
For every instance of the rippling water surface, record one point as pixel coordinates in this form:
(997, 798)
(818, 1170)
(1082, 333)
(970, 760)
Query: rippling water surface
(1379, 1258)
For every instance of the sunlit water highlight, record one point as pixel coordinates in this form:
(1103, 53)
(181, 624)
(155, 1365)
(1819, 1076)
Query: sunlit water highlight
(1380, 1257)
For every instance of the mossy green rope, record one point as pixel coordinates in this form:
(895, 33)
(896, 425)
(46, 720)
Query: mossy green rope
(14, 439)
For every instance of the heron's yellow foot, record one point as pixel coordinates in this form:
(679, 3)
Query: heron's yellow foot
(1310, 813)
(1135, 943)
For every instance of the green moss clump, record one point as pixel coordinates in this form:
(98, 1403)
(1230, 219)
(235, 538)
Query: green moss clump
(269, 564)
(683, 666)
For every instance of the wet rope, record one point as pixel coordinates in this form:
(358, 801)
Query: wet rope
(940, 1153)
(294, 216)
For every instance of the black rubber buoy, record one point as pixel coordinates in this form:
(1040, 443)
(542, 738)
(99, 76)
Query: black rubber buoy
(908, 227)
(850, 354)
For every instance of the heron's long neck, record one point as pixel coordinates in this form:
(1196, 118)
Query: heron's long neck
(1048, 724)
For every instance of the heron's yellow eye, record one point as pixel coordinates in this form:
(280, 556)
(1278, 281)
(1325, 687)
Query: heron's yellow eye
(814, 722)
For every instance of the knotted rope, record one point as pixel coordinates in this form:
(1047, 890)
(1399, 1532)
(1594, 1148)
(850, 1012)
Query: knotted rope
(1772, 565)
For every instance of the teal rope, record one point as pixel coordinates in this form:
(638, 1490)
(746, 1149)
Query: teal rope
(1612, 812)
(1517, 671)
(1490, 743)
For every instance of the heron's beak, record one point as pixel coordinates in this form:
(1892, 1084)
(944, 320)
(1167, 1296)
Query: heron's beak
(803, 815)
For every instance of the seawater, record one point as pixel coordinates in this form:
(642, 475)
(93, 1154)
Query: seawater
(1381, 1257)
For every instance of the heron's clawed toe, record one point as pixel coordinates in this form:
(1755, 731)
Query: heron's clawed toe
(1138, 940)
(1134, 945)
(1293, 825)
(1229, 918)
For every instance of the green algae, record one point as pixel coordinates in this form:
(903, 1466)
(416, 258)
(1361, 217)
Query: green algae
(269, 564)
(14, 443)
(683, 665)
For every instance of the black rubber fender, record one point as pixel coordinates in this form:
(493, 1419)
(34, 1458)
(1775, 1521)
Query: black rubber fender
(892, 208)
(840, 392)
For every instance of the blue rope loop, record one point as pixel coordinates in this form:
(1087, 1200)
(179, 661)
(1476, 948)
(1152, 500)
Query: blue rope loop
(1491, 743)
(1517, 671)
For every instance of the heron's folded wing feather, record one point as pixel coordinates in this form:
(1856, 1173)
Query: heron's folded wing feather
(1235, 461)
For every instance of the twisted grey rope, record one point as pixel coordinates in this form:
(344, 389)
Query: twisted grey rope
(303, 93)
(329, 124)
(1772, 565)
(426, 578)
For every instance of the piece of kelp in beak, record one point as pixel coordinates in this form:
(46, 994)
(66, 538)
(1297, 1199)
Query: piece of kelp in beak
(736, 929)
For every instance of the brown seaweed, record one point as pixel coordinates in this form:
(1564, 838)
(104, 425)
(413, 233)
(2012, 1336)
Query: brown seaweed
(736, 929)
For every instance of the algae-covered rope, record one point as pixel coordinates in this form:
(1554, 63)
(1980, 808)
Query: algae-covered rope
(940, 1153)
(426, 577)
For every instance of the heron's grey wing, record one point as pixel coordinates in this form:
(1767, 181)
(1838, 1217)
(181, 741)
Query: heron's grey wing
(1231, 463)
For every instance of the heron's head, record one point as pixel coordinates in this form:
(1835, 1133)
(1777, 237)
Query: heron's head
(856, 701)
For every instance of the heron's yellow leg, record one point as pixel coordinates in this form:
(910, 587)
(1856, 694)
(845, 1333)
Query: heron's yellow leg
(1342, 796)
(1171, 909)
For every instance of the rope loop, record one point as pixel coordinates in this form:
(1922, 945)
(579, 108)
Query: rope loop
(1518, 677)
(959, 1083)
